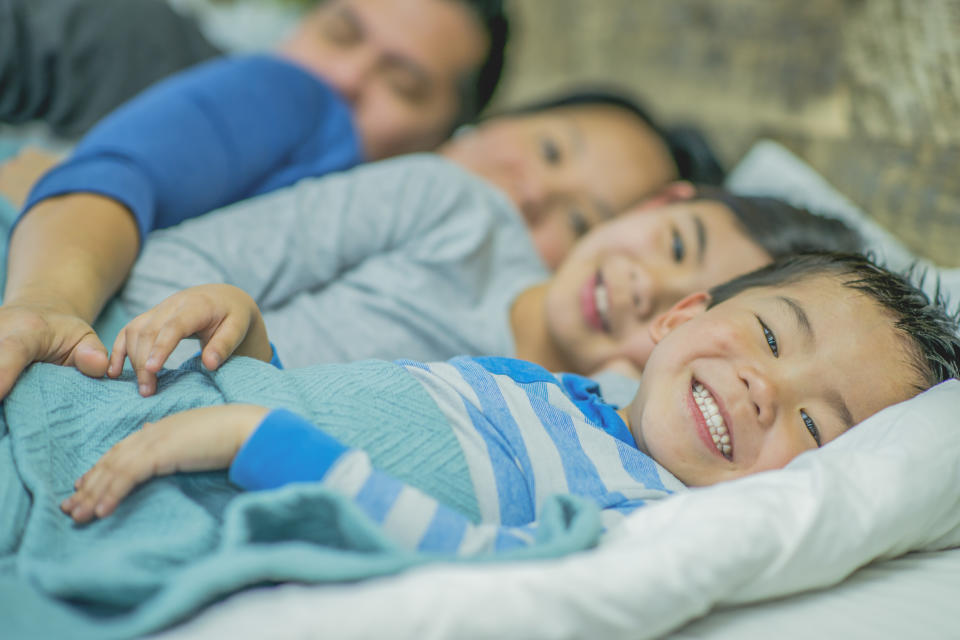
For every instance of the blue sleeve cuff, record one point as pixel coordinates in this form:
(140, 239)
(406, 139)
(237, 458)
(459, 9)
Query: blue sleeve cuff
(275, 358)
(112, 176)
(285, 448)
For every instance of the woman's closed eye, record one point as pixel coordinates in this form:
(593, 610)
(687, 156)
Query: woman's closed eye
(770, 338)
(811, 427)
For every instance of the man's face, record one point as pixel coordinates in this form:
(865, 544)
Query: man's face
(398, 63)
(626, 272)
(764, 376)
(566, 169)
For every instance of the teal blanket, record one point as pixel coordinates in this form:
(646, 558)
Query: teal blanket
(182, 542)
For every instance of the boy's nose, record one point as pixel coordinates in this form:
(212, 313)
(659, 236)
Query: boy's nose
(761, 392)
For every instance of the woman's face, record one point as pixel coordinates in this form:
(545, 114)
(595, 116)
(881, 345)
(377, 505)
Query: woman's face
(566, 169)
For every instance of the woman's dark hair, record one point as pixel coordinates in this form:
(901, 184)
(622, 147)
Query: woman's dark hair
(694, 158)
(781, 228)
(477, 88)
(923, 320)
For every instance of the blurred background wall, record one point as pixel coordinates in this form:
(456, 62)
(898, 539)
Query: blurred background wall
(866, 91)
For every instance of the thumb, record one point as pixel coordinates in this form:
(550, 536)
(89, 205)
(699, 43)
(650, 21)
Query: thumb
(90, 356)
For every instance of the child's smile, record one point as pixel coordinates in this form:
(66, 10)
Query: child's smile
(760, 378)
(713, 426)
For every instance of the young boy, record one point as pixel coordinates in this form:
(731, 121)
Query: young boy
(741, 379)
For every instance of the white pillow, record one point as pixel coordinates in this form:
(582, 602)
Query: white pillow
(769, 169)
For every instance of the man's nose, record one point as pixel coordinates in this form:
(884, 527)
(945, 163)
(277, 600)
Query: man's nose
(351, 72)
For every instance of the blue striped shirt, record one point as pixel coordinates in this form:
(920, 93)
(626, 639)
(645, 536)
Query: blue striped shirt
(526, 434)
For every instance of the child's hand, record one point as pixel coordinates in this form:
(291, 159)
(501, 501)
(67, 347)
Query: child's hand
(196, 440)
(224, 318)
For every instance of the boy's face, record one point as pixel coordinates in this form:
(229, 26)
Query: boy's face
(779, 366)
(626, 272)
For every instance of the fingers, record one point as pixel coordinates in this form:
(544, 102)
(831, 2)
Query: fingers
(110, 480)
(15, 355)
(223, 342)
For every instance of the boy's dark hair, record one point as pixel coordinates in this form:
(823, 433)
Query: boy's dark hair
(477, 88)
(925, 322)
(691, 153)
(782, 229)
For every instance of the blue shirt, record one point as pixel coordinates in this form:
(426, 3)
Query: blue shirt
(217, 133)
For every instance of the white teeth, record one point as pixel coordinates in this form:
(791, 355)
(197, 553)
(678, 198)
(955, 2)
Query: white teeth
(711, 414)
(601, 300)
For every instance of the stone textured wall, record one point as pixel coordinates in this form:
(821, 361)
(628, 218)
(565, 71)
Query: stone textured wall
(867, 91)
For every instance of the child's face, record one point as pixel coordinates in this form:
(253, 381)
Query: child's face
(626, 272)
(773, 379)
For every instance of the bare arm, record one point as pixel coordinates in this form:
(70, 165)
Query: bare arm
(67, 256)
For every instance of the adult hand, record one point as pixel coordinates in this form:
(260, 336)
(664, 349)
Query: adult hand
(225, 319)
(35, 333)
(201, 439)
(20, 173)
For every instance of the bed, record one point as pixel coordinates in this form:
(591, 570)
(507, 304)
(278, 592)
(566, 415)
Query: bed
(860, 539)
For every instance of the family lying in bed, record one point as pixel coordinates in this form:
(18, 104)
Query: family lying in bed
(411, 261)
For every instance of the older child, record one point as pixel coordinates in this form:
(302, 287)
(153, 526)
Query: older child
(741, 380)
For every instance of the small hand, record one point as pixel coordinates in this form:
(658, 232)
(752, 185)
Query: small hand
(195, 440)
(223, 317)
(35, 333)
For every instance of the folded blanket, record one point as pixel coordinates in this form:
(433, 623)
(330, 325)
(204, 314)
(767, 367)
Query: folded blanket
(180, 542)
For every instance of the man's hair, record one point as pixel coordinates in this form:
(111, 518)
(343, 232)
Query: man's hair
(688, 147)
(783, 229)
(477, 88)
(924, 321)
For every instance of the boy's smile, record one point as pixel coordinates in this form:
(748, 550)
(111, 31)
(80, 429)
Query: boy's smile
(764, 376)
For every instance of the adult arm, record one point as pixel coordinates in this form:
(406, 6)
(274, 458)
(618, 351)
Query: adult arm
(59, 274)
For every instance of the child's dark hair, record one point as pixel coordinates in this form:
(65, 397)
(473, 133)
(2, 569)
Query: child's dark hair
(476, 89)
(925, 322)
(694, 158)
(782, 229)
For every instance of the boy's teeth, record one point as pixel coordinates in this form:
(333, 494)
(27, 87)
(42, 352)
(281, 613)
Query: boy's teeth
(718, 430)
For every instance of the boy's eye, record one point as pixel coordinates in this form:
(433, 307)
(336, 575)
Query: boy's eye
(677, 246)
(811, 427)
(550, 151)
(578, 222)
(770, 338)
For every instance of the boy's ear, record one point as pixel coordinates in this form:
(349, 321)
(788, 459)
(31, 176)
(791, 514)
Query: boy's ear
(673, 192)
(686, 309)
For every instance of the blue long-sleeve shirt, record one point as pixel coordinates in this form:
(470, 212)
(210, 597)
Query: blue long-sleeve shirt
(526, 434)
(220, 132)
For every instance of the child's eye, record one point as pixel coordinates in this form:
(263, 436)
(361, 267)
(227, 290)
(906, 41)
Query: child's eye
(677, 246)
(550, 151)
(811, 427)
(770, 338)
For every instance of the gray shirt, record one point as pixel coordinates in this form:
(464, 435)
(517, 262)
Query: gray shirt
(407, 258)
